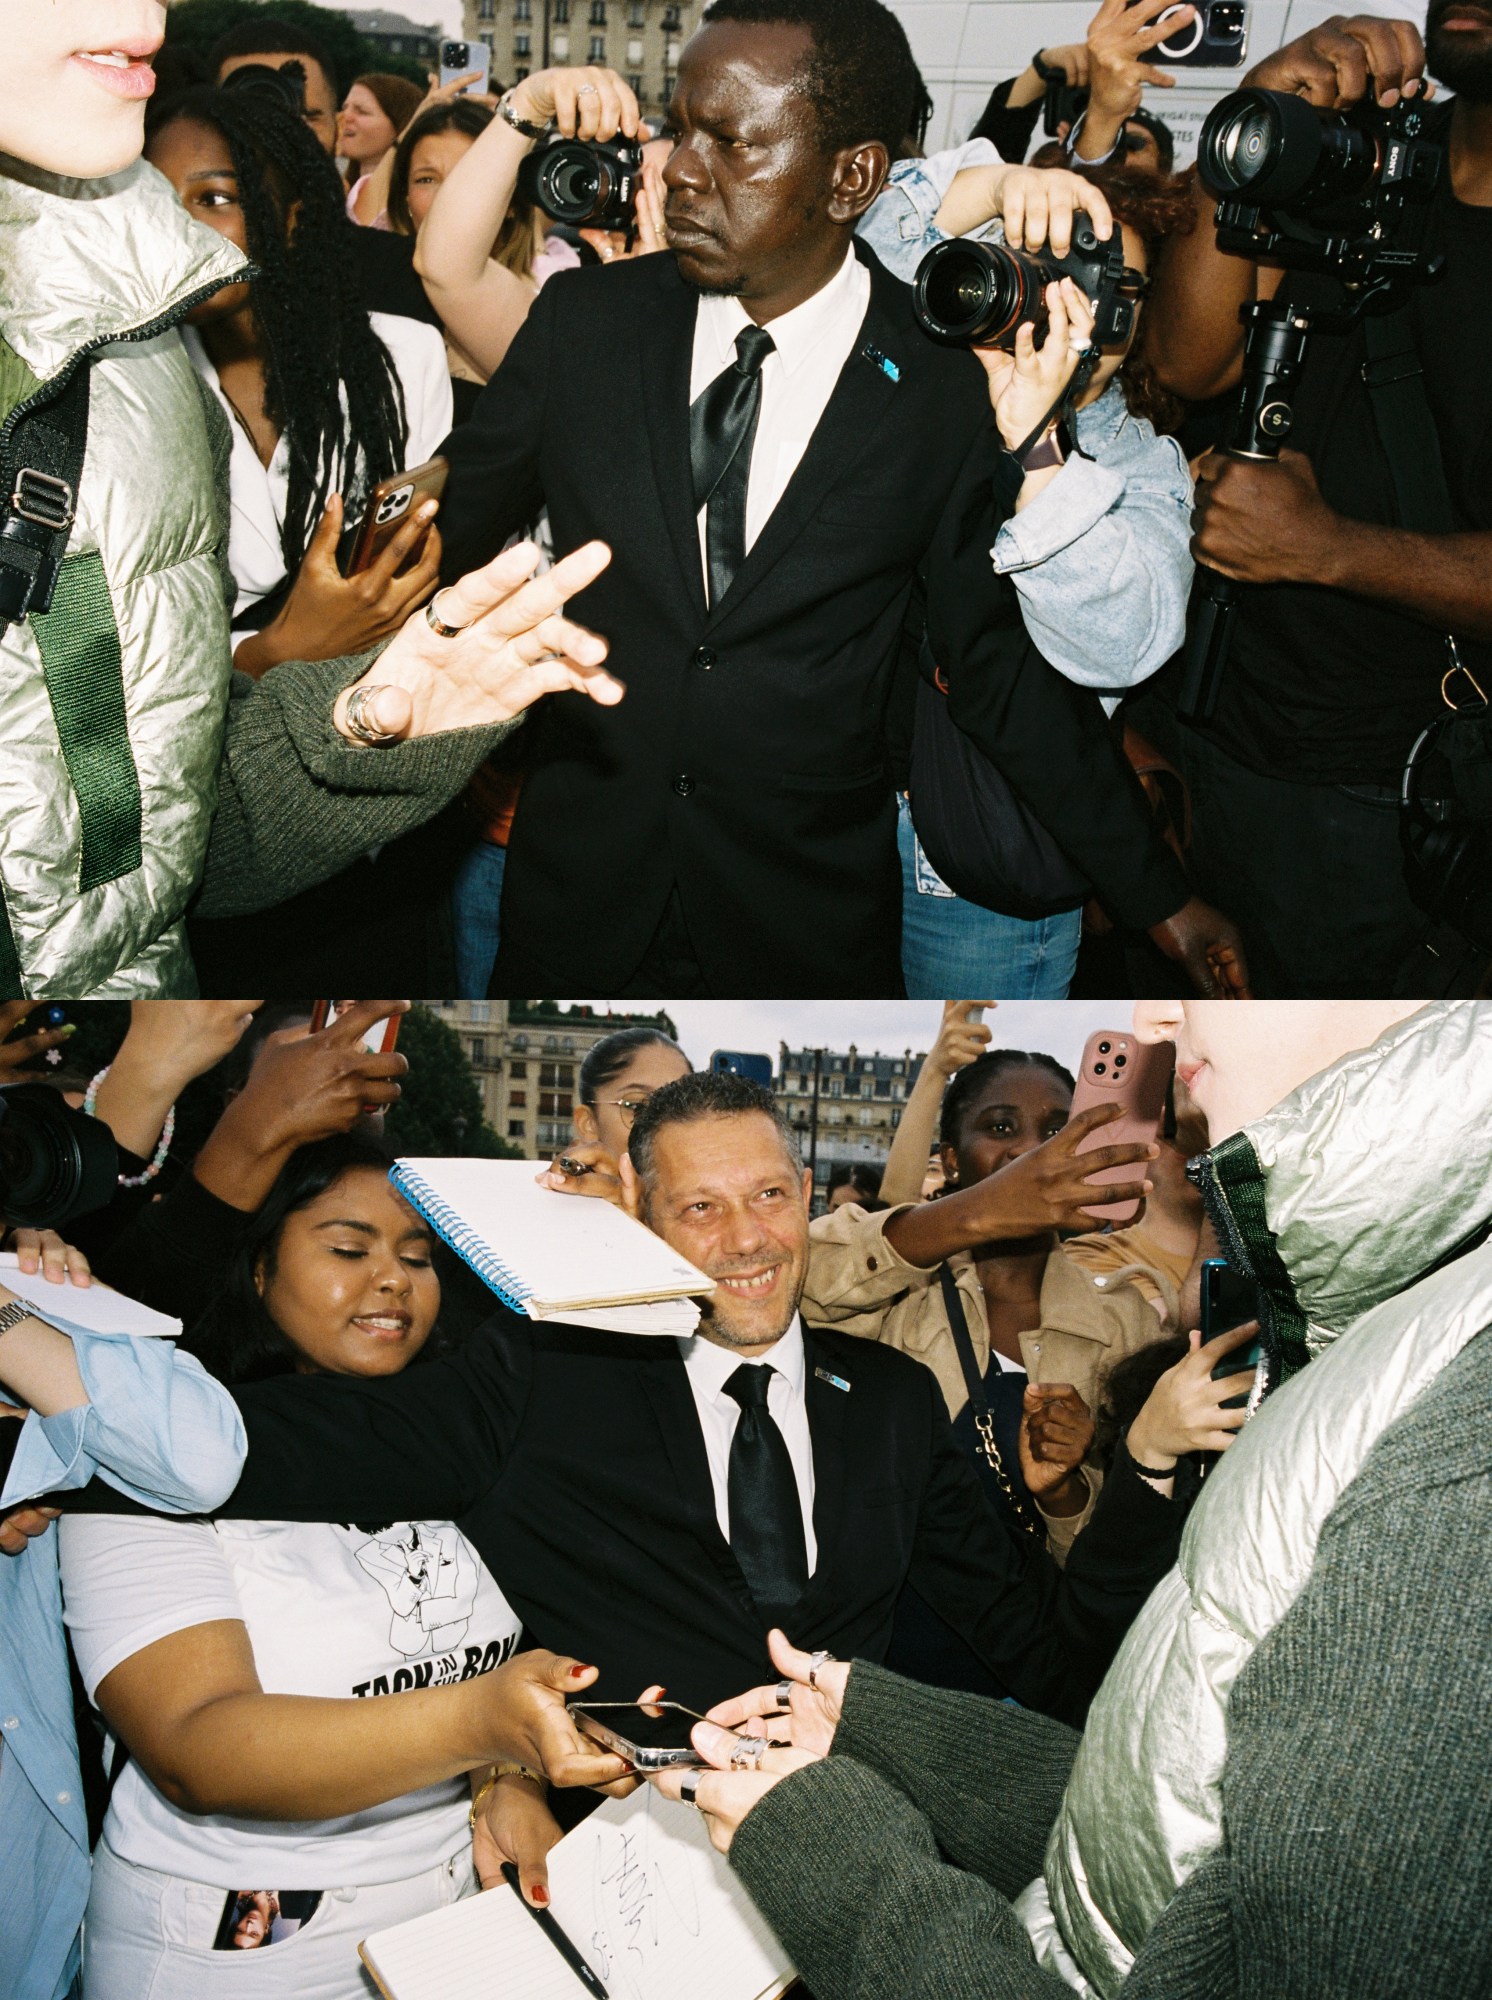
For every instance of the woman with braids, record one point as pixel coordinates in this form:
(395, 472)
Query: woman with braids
(325, 398)
(1041, 1319)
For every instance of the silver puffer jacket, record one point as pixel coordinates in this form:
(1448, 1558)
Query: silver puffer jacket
(110, 267)
(1350, 1202)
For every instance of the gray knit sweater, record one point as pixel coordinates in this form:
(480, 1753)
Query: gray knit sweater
(1357, 1796)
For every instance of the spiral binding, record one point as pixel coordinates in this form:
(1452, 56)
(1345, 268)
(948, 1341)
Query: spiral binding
(463, 1239)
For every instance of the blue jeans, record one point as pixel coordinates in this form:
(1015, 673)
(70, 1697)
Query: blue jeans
(950, 946)
(476, 905)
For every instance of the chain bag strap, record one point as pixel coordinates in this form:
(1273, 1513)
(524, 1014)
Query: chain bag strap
(1022, 1512)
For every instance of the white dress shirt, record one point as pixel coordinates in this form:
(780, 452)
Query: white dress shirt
(260, 493)
(709, 1369)
(812, 344)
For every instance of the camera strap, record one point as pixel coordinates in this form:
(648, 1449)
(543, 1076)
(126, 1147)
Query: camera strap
(41, 465)
(1395, 380)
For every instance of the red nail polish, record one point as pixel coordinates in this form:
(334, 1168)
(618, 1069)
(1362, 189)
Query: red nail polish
(540, 1893)
(576, 1672)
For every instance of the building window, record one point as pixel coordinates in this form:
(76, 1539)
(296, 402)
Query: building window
(554, 1104)
(556, 1076)
(634, 54)
(673, 20)
(598, 49)
(515, 1128)
(598, 13)
(852, 1086)
(634, 84)
(520, 1041)
(560, 46)
(523, 10)
(561, 11)
(518, 1100)
(883, 1086)
(486, 10)
(517, 1069)
(478, 1049)
(520, 72)
(523, 45)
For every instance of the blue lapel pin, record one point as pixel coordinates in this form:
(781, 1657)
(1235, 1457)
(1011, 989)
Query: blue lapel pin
(834, 1381)
(892, 374)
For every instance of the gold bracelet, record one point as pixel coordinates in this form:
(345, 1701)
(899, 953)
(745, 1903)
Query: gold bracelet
(520, 1771)
(479, 1794)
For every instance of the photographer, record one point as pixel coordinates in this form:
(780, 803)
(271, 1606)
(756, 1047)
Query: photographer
(1339, 640)
(1113, 126)
(1097, 543)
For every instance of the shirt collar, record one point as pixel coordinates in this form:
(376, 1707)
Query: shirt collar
(711, 1367)
(797, 334)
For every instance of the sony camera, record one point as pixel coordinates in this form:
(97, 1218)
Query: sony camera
(1344, 194)
(588, 183)
(55, 1163)
(970, 293)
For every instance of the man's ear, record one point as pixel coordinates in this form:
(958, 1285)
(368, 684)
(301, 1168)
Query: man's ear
(858, 175)
(949, 1156)
(808, 1189)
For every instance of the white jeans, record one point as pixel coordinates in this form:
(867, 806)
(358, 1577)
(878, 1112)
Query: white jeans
(148, 1936)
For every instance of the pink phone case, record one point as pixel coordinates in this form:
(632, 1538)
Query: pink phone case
(1120, 1069)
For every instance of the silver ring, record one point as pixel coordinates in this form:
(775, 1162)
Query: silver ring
(815, 1661)
(587, 90)
(436, 623)
(784, 1694)
(748, 1753)
(358, 723)
(1076, 344)
(688, 1788)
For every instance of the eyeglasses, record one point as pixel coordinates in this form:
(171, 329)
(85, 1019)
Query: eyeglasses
(628, 1106)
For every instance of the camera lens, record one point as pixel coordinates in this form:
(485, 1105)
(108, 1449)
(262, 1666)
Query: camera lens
(1104, 1047)
(1120, 1061)
(968, 293)
(1267, 147)
(1100, 1069)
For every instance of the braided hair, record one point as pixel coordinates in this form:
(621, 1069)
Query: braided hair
(968, 1083)
(317, 341)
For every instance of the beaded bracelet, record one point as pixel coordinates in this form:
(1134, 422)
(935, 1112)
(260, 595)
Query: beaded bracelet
(168, 1133)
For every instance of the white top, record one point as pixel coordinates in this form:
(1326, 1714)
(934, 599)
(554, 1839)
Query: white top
(259, 492)
(709, 1369)
(813, 342)
(330, 1611)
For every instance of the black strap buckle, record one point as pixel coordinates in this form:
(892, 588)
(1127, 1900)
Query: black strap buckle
(1383, 371)
(42, 499)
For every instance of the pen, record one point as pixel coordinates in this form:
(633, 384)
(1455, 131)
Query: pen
(567, 1951)
(571, 1169)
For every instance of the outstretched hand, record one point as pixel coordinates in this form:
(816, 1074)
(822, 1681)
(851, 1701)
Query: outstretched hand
(1027, 382)
(513, 647)
(811, 1716)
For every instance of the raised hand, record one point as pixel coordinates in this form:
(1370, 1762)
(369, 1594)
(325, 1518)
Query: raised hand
(1120, 35)
(1335, 64)
(583, 103)
(512, 646)
(1184, 1411)
(808, 1717)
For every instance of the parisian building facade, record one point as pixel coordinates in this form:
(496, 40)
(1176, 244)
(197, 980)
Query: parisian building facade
(640, 39)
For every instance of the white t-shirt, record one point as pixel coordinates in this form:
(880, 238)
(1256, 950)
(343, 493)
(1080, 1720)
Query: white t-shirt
(330, 1611)
(260, 492)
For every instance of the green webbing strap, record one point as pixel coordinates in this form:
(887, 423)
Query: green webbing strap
(1238, 1179)
(10, 959)
(80, 653)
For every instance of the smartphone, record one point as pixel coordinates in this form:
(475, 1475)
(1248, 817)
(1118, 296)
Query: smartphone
(388, 506)
(652, 1736)
(1216, 37)
(460, 58)
(1118, 1069)
(1228, 1299)
(379, 1039)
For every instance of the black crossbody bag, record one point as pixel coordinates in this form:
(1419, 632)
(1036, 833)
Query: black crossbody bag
(1021, 1512)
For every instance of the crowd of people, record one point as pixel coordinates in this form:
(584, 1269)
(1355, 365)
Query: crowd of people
(878, 686)
(904, 1518)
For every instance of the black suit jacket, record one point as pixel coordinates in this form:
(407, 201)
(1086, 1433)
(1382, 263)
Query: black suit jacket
(748, 763)
(576, 1464)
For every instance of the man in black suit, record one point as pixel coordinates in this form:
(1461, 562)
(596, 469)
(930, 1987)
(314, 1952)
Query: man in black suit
(654, 1506)
(729, 828)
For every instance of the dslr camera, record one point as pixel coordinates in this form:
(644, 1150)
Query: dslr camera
(55, 1163)
(1344, 195)
(971, 293)
(588, 183)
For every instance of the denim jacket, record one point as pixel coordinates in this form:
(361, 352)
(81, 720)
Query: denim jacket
(1101, 557)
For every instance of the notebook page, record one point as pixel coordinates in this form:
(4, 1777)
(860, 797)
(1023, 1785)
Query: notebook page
(484, 1948)
(657, 1912)
(562, 1248)
(96, 1308)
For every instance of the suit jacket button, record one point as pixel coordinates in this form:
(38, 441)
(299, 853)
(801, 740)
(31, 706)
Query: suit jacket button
(683, 784)
(704, 656)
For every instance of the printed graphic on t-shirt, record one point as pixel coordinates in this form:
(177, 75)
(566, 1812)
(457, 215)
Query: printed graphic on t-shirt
(430, 1580)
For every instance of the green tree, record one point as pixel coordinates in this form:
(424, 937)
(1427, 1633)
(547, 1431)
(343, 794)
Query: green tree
(440, 1111)
(196, 25)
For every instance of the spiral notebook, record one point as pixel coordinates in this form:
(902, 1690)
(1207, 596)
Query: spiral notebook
(97, 1308)
(637, 1889)
(554, 1256)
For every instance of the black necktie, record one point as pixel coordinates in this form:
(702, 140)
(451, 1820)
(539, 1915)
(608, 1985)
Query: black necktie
(722, 424)
(766, 1515)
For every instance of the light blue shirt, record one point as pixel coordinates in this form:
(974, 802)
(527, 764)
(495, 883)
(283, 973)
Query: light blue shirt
(1101, 558)
(160, 1429)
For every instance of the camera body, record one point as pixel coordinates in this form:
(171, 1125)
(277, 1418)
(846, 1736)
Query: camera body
(55, 1163)
(1344, 195)
(588, 183)
(972, 293)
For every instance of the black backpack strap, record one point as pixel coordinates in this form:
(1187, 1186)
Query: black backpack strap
(1395, 380)
(1021, 1511)
(41, 465)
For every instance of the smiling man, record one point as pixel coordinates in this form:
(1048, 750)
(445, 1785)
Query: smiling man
(774, 452)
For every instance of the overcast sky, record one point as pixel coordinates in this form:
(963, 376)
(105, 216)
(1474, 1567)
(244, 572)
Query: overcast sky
(1059, 1027)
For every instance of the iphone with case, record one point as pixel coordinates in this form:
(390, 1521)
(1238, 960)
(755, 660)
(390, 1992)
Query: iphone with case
(1119, 1069)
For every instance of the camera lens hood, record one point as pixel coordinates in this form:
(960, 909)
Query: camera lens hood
(55, 1162)
(1260, 146)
